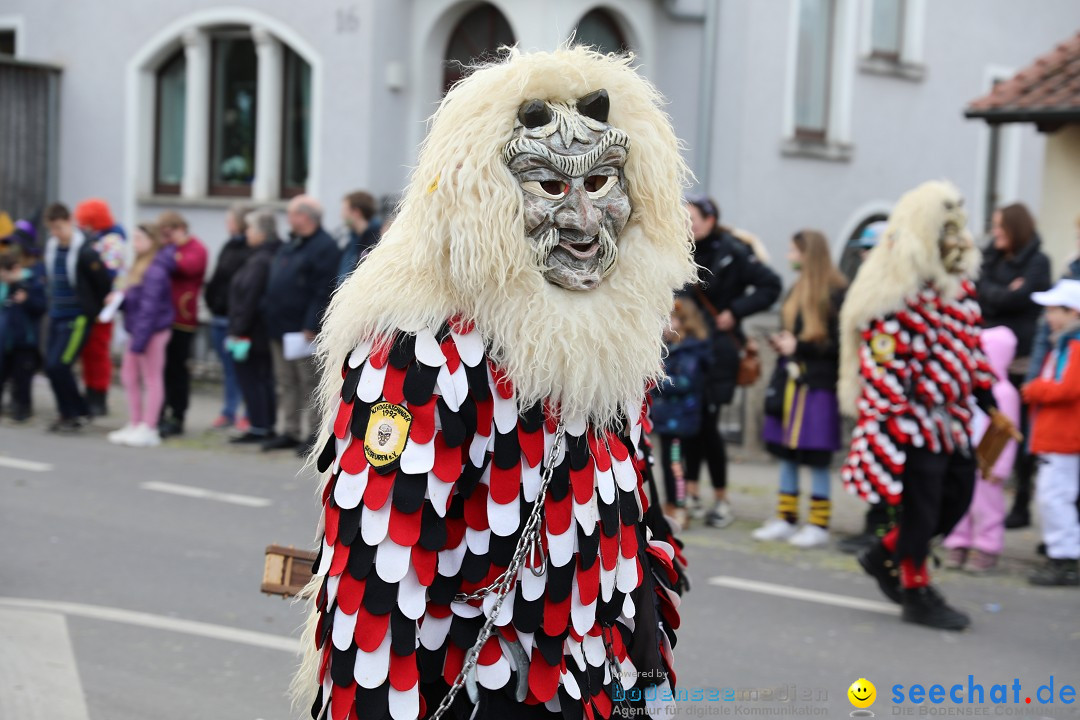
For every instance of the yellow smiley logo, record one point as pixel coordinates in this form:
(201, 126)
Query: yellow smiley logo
(862, 693)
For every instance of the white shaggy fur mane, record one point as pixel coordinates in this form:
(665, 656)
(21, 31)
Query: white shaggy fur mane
(905, 260)
(458, 245)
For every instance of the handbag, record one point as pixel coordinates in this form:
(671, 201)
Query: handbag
(998, 434)
(749, 370)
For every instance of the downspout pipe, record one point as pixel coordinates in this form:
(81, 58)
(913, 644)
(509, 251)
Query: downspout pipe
(707, 81)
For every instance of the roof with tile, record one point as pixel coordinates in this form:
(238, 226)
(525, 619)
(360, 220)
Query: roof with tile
(1045, 92)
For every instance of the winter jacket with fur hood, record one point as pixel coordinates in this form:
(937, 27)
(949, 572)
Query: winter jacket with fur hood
(148, 307)
(999, 345)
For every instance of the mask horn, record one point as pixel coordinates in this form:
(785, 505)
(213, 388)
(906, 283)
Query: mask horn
(534, 114)
(595, 105)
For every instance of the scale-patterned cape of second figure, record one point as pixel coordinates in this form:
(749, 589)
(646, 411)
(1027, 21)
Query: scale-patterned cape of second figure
(485, 373)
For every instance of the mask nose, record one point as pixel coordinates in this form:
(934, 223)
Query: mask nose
(579, 213)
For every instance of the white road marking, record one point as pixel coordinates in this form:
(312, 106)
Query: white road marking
(30, 465)
(156, 622)
(204, 494)
(38, 666)
(794, 593)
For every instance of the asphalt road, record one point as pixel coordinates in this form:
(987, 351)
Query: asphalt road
(121, 601)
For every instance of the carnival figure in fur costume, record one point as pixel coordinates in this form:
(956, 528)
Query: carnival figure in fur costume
(911, 367)
(486, 527)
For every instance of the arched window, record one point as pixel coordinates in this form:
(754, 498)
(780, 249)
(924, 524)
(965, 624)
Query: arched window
(248, 95)
(477, 37)
(169, 125)
(599, 29)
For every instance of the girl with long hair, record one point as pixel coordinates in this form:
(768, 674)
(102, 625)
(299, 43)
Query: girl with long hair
(148, 318)
(802, 423)
(678, 407)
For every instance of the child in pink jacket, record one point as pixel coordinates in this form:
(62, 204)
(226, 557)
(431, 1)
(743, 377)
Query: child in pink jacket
(978, 539)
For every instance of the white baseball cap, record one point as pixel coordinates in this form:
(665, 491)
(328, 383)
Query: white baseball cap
(1066, 293)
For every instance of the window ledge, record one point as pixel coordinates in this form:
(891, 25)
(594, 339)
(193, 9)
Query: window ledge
(901, 69)
(828, 150)
(209, 202)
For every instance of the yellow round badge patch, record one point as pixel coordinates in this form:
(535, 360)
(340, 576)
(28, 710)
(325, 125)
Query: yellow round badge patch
(387, 433)
(883, 347)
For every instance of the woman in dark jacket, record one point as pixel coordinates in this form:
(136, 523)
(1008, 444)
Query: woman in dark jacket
(148, 319)
(1014, 266)
(734, 285)
(802, 420)
(249, 341)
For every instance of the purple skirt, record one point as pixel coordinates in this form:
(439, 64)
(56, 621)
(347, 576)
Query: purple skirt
(811, 421)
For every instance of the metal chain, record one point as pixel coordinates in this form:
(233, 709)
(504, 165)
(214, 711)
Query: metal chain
(528, 545)
(614, 668)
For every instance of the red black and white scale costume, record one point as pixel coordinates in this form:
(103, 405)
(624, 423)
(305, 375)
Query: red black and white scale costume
(401, 540)
(921, 368)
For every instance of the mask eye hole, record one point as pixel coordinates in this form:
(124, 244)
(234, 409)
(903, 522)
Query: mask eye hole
(598, 185)
(554, 187)
(550, 189)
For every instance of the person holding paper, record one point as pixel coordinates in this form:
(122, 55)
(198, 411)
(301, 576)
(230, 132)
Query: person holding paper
(298, 290)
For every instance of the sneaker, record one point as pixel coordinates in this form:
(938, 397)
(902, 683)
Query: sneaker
(774, 529)
(926, 606)
(120, 437)
(1056, 573)
(144, 436)
(979, 562)
(694, 507)
(243, 424)
(955, 558)
(810, 536)
(222, 422)
(881, 565)
(721, 515)
(67, 425)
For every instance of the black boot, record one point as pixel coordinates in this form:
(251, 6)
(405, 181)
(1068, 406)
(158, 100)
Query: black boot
(926, 606)
(171, 427)
(96, 403)
(1019, 516)
(1056, 573)
(881, 565)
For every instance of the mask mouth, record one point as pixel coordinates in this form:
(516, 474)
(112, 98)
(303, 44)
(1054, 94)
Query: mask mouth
(581, 249)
